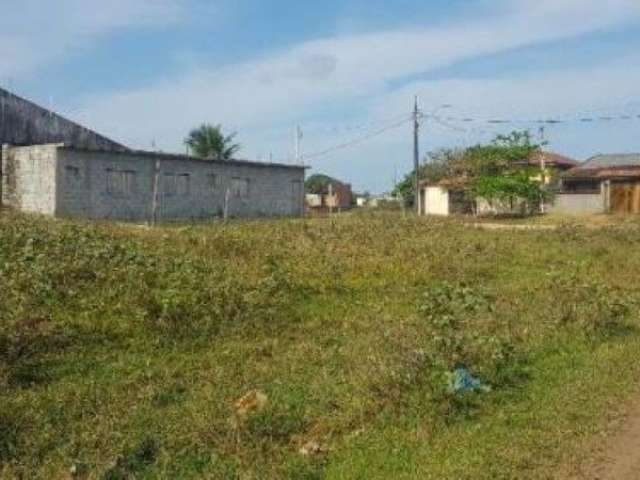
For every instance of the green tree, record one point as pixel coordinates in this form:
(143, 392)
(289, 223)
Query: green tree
(500, 171)
(208, 142)
(318, 184)
(496, 171)
(505, 154)
(511, 187)
(438, 165)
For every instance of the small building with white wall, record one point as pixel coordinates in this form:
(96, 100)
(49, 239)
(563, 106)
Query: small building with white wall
(444, 198)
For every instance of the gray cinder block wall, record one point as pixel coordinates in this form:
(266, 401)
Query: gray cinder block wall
(28, 178)
(68, 182)
(24, 123)
(579, 203)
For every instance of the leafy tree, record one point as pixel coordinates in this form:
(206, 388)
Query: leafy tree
(497, 171)
(510, 187)
(318, 184)
(505, 153)
(501, 171)
(445, 163)
(208, 142)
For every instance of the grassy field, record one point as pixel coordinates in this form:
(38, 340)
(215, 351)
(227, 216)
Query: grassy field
(124, 350)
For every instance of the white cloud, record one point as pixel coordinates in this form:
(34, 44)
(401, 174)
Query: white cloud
(568, 94)
(264, 97)
(35, 33)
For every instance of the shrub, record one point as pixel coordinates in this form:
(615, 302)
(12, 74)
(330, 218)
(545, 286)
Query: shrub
(588, 305)
(135, 461)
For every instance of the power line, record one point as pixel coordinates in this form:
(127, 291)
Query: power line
(449, 121)
(350, 128)
(358, 140)
(470, 131)
(539, 121)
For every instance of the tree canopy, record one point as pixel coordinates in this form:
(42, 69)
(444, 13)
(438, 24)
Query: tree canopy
(318, 184)
(437, 166)
(496, 171)
(208, 142)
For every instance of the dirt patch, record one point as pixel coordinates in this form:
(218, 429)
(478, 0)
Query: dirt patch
(513, 227)
(616, 455)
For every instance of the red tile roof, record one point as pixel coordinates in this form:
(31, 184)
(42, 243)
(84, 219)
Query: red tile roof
(552, 159)
(606, 172)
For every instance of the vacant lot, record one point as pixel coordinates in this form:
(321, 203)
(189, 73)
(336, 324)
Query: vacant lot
(124, 350)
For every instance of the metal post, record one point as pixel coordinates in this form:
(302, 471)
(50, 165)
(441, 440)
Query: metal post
(298, 137)
(3, 165)
(543, 168)
(156, 191)
(226, 205)
(331, 199)
(416, 155)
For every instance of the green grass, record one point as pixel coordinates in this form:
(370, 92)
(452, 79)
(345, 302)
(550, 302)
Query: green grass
(124, 349)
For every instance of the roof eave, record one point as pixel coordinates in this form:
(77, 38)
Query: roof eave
(177, 156)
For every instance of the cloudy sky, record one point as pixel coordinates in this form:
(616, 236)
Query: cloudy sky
(145, 71)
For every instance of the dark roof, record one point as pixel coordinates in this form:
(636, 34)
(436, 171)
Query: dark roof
(453, 183)
(552, 159)
(608, 166)
(181, 157)
(24, 123)
(615, 160)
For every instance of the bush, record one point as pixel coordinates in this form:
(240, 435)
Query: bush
(459, 326)
(590, 306)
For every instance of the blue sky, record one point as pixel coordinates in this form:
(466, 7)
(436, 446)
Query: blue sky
(146, 71)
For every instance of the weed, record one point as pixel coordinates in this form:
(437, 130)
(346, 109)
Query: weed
(134, 462)
(350, 328)
(9, 437)
(592, 307)
(172, 395)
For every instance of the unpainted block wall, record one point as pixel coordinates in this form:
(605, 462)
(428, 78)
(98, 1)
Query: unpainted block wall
(29, 178)
(579, 203)
(25, 123)
(82, 178)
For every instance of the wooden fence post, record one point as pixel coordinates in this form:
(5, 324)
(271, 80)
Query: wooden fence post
(156, 188)
(226, 204)
(4, 158)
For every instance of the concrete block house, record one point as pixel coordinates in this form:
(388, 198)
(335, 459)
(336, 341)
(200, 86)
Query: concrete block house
(330, 194)
(55, 167)
(602, 184)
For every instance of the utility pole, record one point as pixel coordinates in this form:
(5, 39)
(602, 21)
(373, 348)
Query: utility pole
(298, 137)
(543, 168)
(331, 197)
(395, 177)
(416, 155)
(155, 193)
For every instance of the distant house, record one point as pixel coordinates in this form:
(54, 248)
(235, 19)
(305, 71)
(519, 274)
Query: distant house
(386, 200)
(551, 163)
(450, 196)
(362, 201)
(340, 196)
(446, 197)
(602, 184)
(325, 192)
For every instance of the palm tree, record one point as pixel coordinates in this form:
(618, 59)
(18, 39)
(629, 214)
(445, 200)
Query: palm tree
(208, 142)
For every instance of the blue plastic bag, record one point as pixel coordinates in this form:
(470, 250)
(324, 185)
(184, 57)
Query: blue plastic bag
(461, 380)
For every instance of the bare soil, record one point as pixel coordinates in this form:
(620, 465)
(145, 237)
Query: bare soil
(617, 454)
